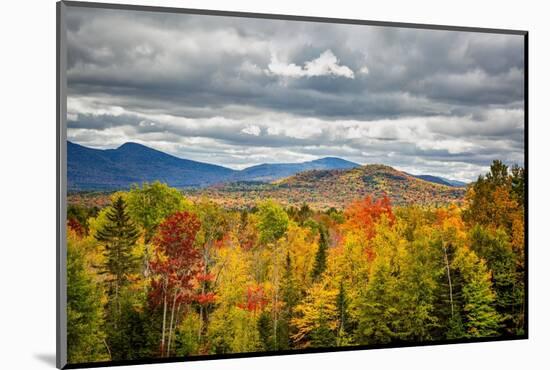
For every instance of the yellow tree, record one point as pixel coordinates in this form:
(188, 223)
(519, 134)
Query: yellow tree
(232, 327)
(316, 318)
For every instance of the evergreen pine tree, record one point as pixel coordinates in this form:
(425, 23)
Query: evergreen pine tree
(377, 306)
(119, 237)
(323, 335)
(343, 322)
(321, 256)
(455, 327)
(265, 330)
(303, 214)
(495, 249)
(518, 183)
(290, 296)
(481, 319)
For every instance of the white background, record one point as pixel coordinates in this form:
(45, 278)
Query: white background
(27, 170)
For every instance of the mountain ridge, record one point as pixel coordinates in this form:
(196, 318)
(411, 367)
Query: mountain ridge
(130, 163)
(134, 163)
(323, 189)
(268, 172)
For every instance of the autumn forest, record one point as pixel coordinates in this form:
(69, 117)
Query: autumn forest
(153, 272)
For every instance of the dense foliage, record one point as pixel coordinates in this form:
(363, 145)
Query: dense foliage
(155, 274)
(323, 189)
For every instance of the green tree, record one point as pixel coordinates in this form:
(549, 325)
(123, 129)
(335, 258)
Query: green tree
(85, 335)
(290, 297)
(323, 334)
(265, 331)
(495, 213)
(342, 303)
(481, 318)
(419, 272)
(518, 183)
(127, 336)
(379, 305)
(320, 264)
(273, 222)
(507, 281)
(234, 330)
(303, 214)
(151, 203)
(214, 226)
(496, 200)
(498, 175)
(186, 335)
(118, 236)
(455, 327)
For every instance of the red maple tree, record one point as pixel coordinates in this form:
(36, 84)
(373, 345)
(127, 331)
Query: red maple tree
(176, 264)
(364, 214)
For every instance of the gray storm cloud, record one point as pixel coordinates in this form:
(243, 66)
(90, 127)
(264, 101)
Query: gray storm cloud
(239, 92)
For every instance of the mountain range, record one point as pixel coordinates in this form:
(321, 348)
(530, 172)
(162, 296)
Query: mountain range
(112, 169)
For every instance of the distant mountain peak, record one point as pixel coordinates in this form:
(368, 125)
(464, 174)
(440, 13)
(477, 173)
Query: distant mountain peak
(137, 147)
(131, 144)
(330, 159)
(334, 160)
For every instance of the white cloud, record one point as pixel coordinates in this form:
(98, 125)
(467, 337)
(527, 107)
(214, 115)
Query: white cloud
(364, 70)
(325, 65)
(452, 146)
(252, 130)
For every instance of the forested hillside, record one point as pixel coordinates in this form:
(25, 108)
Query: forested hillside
(325, 189)
(153, 273)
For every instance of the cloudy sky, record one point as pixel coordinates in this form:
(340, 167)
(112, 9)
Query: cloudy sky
(240, 92)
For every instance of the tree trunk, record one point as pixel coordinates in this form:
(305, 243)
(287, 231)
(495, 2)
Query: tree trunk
(163, 322)
(276, 296)
(200, 323)
(108, 349)
(202, 310)
(117, 305)
(449, 279)
(178, 318)
(171, 322)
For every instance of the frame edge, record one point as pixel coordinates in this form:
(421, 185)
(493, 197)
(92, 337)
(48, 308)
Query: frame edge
(287, 17)
(61, 196)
